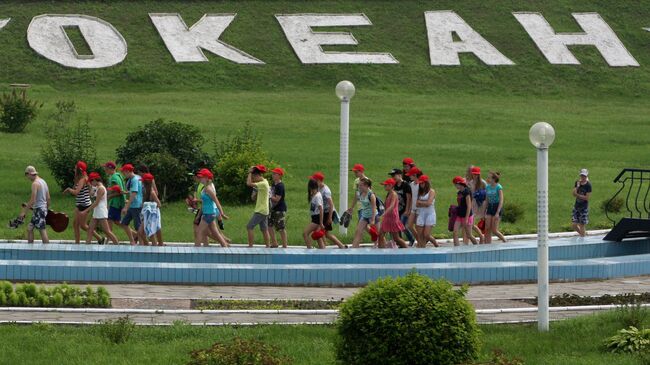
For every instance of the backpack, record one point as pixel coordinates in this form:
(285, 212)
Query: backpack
(381, 207)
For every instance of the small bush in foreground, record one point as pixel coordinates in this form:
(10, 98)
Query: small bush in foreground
(29, 295)
(239, 352)
(17, 111)
(630, 340)
(431, 322)
(117, 330)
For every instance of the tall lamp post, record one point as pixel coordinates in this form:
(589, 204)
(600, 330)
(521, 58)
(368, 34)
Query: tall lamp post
(542, 135)
(345, 91)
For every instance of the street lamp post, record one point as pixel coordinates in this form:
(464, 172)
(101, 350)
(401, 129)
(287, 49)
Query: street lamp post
(345, 91)
(542, 135)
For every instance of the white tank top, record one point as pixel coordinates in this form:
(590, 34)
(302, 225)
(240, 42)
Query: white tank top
(429, 209)
(101, 210)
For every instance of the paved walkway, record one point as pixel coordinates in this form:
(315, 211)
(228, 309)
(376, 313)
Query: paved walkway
(164, 297)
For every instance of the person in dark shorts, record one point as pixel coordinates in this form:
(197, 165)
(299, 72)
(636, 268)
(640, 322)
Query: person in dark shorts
(317, 214)
(133, 206)
(116, 199)
(464, 219)
(582, 193)
(403, 190)
(256, 180)
(39, 202)
(81, 191)
(328, 208)
(278, 214)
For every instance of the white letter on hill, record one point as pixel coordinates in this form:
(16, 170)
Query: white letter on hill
(597, 33)
(186, 45)
(444, 51)
(46, 35)
(307, 44)
(4, 22)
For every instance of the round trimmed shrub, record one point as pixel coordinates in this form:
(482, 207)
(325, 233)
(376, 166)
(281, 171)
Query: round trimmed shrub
(410, 320)
(512, 212)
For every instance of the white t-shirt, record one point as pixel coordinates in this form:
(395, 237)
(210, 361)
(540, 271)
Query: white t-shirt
(316, 204)
(415, 187)
(326, 194)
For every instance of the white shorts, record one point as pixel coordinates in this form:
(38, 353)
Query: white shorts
(426, 219)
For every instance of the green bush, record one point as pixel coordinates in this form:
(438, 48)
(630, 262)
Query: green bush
(410, 320)
(512, 212)
(613, 206)
(118, 330)
(632, 314)
(59, 296)
(234, 157)
(239, 352)
(17, 111)
(175, 148)
(70, 140)
(630, 340)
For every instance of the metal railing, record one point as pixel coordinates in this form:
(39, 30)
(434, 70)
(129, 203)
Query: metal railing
(636, 183)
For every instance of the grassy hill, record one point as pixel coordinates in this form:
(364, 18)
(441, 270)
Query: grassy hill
(398, 27)
(444, 117)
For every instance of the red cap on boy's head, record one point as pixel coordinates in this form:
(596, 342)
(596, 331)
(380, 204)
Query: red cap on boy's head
(110, 165)
(459, 180)
(147, 177)
(205, 173)
(318, 176)
(127, 167)
(115, 188)
(408, 161)
(94, 176)
(414, 171)
(358, 167)
(261, 168)
(390, 182)
(423, 178)
(82, 166)
(278, 170)
(475, 170)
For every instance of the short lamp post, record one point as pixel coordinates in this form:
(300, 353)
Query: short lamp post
(345, 91)
(542, 135)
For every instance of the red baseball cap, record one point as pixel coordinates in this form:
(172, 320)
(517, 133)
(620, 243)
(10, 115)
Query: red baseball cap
(261, 168)
(358, 167)
(414, 171)
(147, 177)
(459, 180)
(475, 170)
(278, 170)
(318, 234)
(82, 165)
(94, 176)
(408, 161)
(318, 176)
(115, 188)
(110, 165)
(127, 167)
(390, 181)
(205, 173)
(423, 178)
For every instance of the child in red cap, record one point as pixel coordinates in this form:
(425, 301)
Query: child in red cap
(81, 191)
(464, 219)
(328, 207)
(100, 209)
(278, 214)
(368, 211)
(317, 214)
(391, 222)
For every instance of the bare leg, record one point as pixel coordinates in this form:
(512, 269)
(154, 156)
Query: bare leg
(283, 236)
(129, 233)
(44, 236)
(305, 234)
(215, 232)
(321, 243)
(159, 237)
(495, 229)
(426, 232)
(488, 228)
(400, 242)
(265, 234)
(251, 237)
(30, 235)
(422, 237)
(75, 226)
(91, 230)
(410, 224)
(468, 229)
(381, 242)
(143, 238)
(456, 233)
(330, 236)
(107, 230)
(201, 234)
(358, 234)
(274, 241)
(83, 224)
(480, 234)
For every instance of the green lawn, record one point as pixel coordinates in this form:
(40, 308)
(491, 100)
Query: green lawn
(444, 133)
(576, 341)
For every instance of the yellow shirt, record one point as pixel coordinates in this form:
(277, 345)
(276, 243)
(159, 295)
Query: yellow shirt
(262, 203)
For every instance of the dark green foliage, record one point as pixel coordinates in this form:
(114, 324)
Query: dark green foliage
(567, 299)
(512, 212)
(234, 157)
(612, 205)
(631, 340)
(59, 296)
(117, 331)
(70, 140)
(239, 352)
(265, 304)
(632, 315)
(410, 320)
(16, 111)
(172, 148)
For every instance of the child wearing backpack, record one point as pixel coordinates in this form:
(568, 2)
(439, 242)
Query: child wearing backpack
(368, 212)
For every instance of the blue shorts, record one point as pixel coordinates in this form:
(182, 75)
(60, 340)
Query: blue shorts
(208, 218)
(132, 214)
(114, 214)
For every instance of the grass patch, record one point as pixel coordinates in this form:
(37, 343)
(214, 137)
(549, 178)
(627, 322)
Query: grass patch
(576, 341)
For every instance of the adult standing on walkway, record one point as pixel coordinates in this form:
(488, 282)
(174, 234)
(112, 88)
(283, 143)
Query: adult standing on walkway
(582, 193)
(278, 214)
(81, 191)
(39, 202)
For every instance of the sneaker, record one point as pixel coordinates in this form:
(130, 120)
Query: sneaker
(16, 222)
(220, 223)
